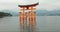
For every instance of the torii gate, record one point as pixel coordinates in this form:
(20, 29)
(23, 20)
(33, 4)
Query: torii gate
(30, 16)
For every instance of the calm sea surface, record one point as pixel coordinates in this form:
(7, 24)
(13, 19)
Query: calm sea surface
(44, 24)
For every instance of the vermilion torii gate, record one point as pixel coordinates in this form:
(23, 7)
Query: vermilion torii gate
(29, 17)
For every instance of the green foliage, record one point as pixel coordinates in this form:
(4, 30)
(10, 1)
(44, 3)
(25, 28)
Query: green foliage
(2, 14)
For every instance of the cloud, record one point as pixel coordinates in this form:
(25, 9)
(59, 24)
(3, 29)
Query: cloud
(43, 4)
(50, 4)
(7, 1)
(27, 2)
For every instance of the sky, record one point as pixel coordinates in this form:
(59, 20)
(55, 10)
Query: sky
(43, 4)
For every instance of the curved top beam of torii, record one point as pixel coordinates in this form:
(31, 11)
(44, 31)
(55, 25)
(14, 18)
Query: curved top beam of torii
(27, 2)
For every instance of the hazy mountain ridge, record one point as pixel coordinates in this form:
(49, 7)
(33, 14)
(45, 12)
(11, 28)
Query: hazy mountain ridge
(14, 13)
(48, 13)
(3, 14)
(38, 12)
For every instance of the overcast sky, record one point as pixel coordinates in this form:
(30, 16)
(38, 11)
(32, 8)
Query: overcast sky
(43, 4)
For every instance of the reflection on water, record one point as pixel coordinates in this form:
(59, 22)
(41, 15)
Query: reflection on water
(28, 28)
(43, 24)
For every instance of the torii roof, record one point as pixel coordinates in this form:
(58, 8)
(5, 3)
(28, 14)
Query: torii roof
(28, 5)
(26, 2)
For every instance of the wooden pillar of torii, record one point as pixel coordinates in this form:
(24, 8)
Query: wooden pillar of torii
(30, 17)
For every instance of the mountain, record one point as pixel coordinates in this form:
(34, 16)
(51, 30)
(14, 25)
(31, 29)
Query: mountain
(54, 13)
(48, 13)
(13, 13)
(41, 12)
(38, 12)
(3, 14)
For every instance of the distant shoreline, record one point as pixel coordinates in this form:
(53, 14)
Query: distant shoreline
(2, 14)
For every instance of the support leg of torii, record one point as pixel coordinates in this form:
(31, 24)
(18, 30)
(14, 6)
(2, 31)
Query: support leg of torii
(21, 20)
(33, 16)
(32, 19)
(28, 19)
(22, 16)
